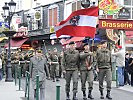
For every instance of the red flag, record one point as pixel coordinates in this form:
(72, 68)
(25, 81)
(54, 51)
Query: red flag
(81, 23)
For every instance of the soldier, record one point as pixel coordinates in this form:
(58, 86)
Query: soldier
(86, 71)
(104, 68)
(71, 63)
(54, 62)
(14, 62)
(38, 64)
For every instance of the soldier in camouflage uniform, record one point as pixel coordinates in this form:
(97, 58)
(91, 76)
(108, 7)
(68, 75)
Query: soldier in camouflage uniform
(14, 62)
(86, 71)
(71, 63)
(104, 68)
(54, 62)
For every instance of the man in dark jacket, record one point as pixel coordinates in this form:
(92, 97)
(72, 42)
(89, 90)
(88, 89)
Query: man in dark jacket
(38, 65)
(71, 63)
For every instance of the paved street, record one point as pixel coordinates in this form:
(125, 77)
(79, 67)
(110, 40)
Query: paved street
(117, 94)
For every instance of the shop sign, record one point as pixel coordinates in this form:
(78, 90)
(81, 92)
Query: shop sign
(52, 29)
(124, 13)
(116, 24)
(18, 19)
(37, 15)
(22, 32)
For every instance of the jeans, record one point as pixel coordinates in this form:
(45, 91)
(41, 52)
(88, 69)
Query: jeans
(120, 74)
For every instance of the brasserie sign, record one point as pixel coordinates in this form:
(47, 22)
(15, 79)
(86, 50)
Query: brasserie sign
(116, 24)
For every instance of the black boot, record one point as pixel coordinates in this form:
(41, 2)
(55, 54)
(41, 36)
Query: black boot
(84, 96)
(34, 93)
(74, 96)
(108, 95)
(90, 95)
(102, 97)
(67, 96)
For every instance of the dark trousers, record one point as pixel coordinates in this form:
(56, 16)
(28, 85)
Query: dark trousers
(132, 79)
(1, 74)
(126, 77)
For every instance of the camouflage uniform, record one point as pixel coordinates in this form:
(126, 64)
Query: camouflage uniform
(104, 65)
(70, 63)
(54, 59)
(85, 73)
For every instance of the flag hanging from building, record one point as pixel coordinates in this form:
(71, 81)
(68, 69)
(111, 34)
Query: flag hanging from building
(81, 23)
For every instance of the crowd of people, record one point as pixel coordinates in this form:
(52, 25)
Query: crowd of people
(85, 65)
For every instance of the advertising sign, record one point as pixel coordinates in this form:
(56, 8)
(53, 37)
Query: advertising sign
(116, 24)
(22, 32)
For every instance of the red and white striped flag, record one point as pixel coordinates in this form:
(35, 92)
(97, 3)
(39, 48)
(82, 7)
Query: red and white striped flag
(81, 23)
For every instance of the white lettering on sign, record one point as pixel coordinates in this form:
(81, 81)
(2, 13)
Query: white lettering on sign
(22, 32)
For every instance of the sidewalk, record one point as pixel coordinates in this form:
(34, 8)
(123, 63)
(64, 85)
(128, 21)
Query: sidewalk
(125, 87)
(8, 91)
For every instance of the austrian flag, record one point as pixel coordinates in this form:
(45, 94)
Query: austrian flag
(81, 23)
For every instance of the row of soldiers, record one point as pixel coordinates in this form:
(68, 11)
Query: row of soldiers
(72, 62)
(19, 59)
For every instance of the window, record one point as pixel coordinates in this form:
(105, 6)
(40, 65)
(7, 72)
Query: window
(53, 15)
(129, 9)
(127, 2)
(76, 5)
(132, 13)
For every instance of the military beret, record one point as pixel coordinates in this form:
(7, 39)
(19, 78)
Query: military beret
(72, 42)
(103, 41)
(85, 44)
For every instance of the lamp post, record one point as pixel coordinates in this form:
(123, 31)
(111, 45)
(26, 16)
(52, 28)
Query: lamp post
(9, 10)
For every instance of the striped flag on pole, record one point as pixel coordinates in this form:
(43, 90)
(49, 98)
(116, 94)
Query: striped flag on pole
(81, 23)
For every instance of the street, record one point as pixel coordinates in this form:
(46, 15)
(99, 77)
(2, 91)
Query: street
(117, 94)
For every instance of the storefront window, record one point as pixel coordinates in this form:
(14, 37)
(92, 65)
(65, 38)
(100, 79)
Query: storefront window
(132, 13)
(129, 9)
(127, 2)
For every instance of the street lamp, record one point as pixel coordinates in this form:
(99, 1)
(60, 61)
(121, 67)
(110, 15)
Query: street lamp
(9, 10)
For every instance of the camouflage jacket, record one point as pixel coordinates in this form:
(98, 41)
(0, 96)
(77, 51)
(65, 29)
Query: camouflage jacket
(70, 60)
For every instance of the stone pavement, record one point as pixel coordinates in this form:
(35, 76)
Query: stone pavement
(127, 88)
(8, 91)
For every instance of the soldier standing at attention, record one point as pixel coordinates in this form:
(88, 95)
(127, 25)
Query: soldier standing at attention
(70, 68)
(104, 68)
(54, 62)
(86, 71)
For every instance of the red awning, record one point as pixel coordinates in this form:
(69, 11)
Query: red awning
(129, 34)
(75, 39)
(16, 43)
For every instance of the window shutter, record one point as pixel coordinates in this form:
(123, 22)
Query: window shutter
(78, 5)
(50, 17)
(55, 16)
(74, 6)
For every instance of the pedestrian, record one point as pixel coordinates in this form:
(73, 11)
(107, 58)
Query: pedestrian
(131, 68)
(38, 64)
(120, 64)
(103, 57)
(126, 73)
(54, 62)
(1, 69)
(86, 71)
(71, 63)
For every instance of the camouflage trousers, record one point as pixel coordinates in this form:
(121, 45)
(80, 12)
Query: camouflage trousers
(86, 76)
